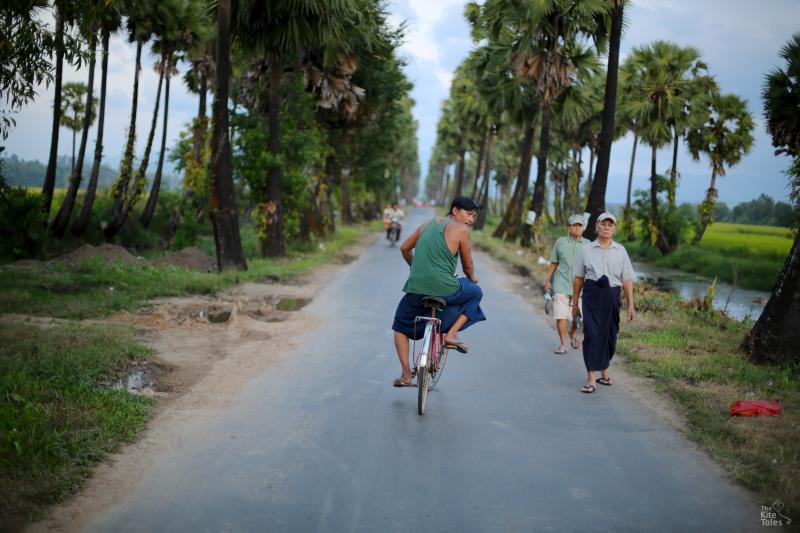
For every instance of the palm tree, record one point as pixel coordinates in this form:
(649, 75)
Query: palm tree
(178, 32)
(139, 31)
(86, 112)
(547, 52)
(276, 31)
(657, 96)
(596, 204)
(110, 24)
(698, 87)
(725, 135)
(74, 106)
(626, 118)
(775, 336)
(224, 216)
(50, 173)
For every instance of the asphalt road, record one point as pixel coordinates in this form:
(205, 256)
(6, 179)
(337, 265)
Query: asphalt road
(323, 442)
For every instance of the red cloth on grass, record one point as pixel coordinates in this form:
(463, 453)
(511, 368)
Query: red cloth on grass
(756, 407)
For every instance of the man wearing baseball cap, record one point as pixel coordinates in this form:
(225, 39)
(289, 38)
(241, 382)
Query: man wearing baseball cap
(561, 259)
(603, 270)
(432, 252)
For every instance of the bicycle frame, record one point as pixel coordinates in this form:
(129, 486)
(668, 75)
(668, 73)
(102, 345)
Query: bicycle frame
(432, 339)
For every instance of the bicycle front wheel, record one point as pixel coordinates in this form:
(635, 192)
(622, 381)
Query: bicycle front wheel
(423, 380)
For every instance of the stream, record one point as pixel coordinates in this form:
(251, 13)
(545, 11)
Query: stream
(742, 303)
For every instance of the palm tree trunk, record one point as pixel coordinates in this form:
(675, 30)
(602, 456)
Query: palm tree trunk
(120, 188)
(707, 208)
(50, 174)
(629, 231)
(152, 199)
(484, 193)
(557, 201)
(509, 226)
(575, 200)
(82, 221)
(458, 183)
(596, 203)
(65, 212)
(589, 175)
(224, 217)
(673, 174)
(537, 199)
(139, 182)
(775, 336)
(274, 245)
(344, 189)
(480, 163)
(655, 219)
(74, 134)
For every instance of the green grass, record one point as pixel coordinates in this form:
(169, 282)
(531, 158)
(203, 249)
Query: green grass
(768, 242)
(57, 415)
(692, 357)
(97, 288)
(748, 256)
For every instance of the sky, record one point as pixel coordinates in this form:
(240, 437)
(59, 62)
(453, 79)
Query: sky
(738, 39)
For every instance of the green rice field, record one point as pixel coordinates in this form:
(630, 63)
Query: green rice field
(760, 241)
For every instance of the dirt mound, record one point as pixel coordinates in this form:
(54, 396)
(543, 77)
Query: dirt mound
(191, 258)
(106, 252)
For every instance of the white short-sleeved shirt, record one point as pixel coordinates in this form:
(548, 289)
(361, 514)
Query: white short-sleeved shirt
(593, 262)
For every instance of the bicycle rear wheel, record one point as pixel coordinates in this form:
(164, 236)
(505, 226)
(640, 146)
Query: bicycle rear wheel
(436, 376)
(423, 380)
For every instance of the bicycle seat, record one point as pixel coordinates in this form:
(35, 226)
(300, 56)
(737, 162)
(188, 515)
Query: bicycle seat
(434, 301)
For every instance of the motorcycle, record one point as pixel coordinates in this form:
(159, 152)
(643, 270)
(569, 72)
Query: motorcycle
(393, 232)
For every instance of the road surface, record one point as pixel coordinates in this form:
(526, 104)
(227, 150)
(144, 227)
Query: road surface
(323, 442)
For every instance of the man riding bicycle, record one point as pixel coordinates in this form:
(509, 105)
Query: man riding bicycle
(432, 252)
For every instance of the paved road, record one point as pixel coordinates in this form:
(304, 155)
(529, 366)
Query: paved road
(322, 442)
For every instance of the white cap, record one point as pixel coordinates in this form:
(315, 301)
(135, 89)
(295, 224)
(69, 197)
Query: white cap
(604, 216)
(575, 219)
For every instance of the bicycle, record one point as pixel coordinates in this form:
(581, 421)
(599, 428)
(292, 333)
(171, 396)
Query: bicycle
(431, 357)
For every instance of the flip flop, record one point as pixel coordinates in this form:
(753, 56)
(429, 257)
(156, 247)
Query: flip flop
(560, 351)
(400, 383)
(587, 389)
(460, 346)
(575, 344)
(604, 381)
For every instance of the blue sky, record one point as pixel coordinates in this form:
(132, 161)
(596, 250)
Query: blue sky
(739, 39)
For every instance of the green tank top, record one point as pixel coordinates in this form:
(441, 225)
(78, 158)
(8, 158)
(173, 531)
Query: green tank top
(434, 266)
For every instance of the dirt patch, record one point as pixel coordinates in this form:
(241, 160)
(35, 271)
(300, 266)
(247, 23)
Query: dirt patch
(191, 258)
(106, 252)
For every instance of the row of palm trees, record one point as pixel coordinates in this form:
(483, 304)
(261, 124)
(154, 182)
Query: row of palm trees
(537, 72)
(534, 77)
(243, 51)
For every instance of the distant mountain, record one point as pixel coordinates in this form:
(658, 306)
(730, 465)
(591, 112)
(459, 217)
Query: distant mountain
(31, 173)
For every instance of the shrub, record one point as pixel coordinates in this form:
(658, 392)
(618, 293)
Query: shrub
(23, 224)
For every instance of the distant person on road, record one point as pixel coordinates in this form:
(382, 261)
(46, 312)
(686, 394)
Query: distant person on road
(605, 267)
(393, 211)
(432, 252)
(561, 261)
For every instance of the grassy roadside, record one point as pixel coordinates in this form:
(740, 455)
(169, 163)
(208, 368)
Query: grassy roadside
(97, 288)
(58, 415)
(691, 357)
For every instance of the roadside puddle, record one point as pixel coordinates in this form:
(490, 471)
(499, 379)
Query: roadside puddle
(292, 304)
